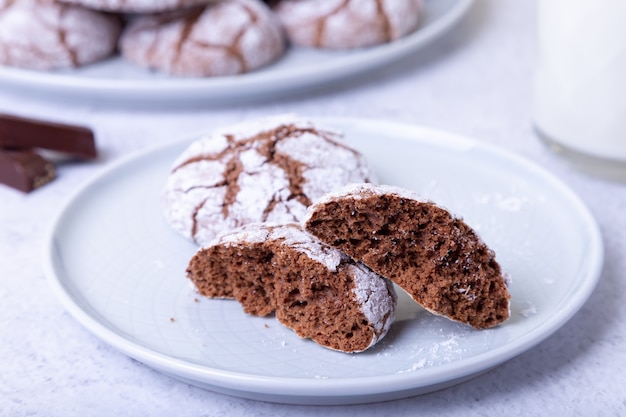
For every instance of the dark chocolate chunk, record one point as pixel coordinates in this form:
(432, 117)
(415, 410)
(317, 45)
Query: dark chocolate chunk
(22, 133)
(25, 170)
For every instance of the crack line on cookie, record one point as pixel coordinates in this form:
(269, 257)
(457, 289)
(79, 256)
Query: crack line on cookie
(62, 36)
(385, 22)
(209, 157)
(265, 144)
(230, 50)
(320, 28)
(194, 218)
(233, 169)
(185, 33)
(34, 49)
(254, 18)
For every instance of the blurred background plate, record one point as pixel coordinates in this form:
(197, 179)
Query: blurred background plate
(301, 69)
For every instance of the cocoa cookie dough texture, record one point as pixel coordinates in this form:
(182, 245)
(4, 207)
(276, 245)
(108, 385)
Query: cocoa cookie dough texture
(434, 256)
(43, 35)
(267, 170)
(312, 288)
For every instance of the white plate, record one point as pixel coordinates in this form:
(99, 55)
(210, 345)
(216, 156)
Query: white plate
(120, 270)
(301, 69)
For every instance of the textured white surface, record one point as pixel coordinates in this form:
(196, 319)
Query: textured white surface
(475, 81)
(292, 236)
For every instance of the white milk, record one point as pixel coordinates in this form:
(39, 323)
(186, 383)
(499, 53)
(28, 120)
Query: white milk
(580, 78)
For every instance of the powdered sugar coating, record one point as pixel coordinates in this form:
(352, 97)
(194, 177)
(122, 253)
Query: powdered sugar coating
(289, 235)
(347, 23)
(44, 35)
(136, 6)
(222, 38)
(359, 191)
(267, 170)
(372, 292)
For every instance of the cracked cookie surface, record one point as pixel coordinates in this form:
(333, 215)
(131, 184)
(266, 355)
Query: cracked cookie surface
(343, 24)
(224, 38)
(267, 170)
(45, 35)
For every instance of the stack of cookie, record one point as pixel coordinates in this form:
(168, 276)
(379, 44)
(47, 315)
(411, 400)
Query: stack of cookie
(194, 38)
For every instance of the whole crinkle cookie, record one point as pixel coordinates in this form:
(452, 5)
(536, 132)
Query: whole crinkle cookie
(223, 38)
(267, 170)
(45, 35)
(343, 24)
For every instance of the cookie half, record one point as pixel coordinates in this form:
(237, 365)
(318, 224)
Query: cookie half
(314, 289)
(434, 256)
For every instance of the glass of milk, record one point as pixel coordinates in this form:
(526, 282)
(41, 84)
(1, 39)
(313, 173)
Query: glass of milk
(579, 104)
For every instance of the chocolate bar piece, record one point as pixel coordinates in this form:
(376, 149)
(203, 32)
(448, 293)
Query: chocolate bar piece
(25, 170)
(22, 133)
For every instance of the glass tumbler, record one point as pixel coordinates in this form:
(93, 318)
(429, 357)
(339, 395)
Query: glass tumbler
(579, 100)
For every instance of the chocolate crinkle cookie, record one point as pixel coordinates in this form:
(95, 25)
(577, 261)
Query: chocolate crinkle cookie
(222, 38)
(267, 170)
(343, 24)
(313, 289)
(42, 35)
(434, 256)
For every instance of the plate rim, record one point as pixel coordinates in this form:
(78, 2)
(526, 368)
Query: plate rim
(360, 388)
